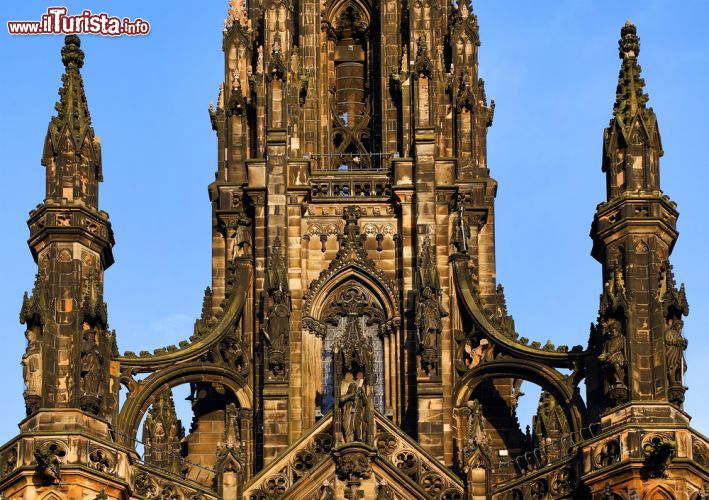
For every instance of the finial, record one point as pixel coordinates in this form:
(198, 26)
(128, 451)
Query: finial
(630, 96)
(629, 42)
(72, 55)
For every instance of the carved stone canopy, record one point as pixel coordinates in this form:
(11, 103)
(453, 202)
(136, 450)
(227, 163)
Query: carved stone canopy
(352, 298)
(351, 282)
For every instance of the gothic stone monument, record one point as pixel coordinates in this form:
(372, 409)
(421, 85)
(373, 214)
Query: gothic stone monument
(354, 342)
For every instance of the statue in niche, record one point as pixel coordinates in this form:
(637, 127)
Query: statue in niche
(32, 363)
(159, 441)
(429, 311)
(354, 414)
(429, 318)
(242, 237)
(163, 434)
(90, 364)
(354, 371)
(276, 330)
(475, 423)
(675, 344)
(461, 231)
(613, 355)
(348, 412)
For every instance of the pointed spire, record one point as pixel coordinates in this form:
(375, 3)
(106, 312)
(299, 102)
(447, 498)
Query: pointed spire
(163, 434)
(72, 154)
(94, 309)
(630, 95)
(72, 108)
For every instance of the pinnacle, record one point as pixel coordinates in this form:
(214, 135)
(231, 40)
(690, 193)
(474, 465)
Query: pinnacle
(72, 108)
(72, 55)
(630, 95)
(629, 41)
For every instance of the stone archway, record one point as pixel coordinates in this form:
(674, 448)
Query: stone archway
(547, 378)
(148, 390)
(487, 424)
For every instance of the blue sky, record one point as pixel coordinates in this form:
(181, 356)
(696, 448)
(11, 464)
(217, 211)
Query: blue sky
(551, 66)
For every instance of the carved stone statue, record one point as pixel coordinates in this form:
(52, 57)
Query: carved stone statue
(47, 456)
(461, 232)
(475, 355)
(90, 364)
(348, 403)
(32, 364)
(355, 414)
(242, 237)
(276, 329)
(475, 423)
(613, 355)
(429, 318)
(429, 311)
(429, 315)
(675, 344)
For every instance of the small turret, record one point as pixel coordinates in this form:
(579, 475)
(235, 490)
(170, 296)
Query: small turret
(638, 337)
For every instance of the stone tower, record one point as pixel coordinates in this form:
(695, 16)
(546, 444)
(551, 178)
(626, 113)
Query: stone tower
(354, 341)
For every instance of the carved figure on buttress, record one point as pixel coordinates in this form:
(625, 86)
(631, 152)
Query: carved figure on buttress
(475, 355)
(429, 318)
(675, 344)
(461, 232)
(475, 423)
(276, 329)
(90, 363)
(32, 363)
(613, 355)
(242, 237)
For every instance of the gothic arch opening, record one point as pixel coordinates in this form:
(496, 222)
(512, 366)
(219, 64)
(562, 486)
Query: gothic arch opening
(486, 407)
(352, 65)
(188, 427)
(144, 395)
(349, 304)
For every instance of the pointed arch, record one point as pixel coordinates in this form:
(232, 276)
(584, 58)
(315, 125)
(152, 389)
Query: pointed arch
(51, 496)
(383, 292)
(351, 262)
(351, 281)
(547, 378)
(150, 389)
(336, 7)
(659, 492)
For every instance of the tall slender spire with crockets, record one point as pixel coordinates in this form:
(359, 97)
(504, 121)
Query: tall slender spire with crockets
(72, 154)
(69, 346)
(639, 337)
(632, 145)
